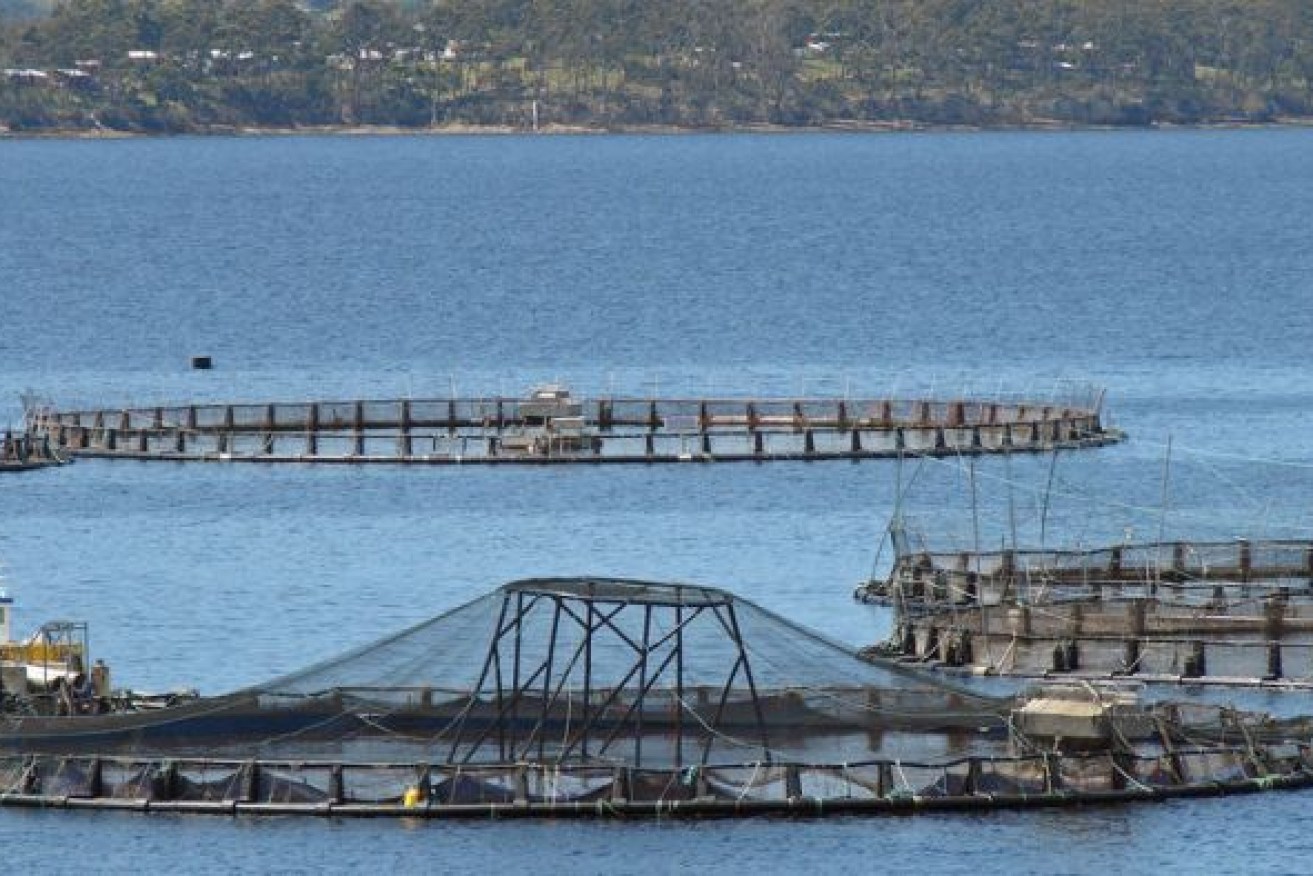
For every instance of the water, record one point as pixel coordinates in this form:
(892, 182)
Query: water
(1170, 267)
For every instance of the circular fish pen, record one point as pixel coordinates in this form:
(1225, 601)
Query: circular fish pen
(550, 425)
(1237, 613)
(603, 697)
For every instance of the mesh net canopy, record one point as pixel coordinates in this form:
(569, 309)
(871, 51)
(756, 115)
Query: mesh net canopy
(572, 671)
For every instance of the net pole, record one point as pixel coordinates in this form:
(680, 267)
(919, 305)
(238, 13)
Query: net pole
(483, 677)
(517, 653)
(547, 680)
(589, 630)
(642, 685)
(679, 678)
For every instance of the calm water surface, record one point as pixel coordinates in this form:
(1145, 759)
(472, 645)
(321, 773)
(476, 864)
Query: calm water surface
(1171, 268)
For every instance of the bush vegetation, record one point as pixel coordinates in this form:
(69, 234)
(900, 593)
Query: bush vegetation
(197, 65)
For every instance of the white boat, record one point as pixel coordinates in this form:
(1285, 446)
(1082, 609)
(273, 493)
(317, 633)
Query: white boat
(553, 425)
(51, 669)
(549, 402)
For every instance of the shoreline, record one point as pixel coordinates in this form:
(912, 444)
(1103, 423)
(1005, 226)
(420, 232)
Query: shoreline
(838, 127)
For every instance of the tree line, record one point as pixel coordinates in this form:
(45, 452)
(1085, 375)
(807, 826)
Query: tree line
(195, 65)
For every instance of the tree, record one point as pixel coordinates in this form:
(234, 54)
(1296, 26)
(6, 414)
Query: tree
(101, 29)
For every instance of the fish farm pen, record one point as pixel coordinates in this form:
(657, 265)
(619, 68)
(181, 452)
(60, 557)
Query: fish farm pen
(251, 787)
(599, 697)
(1220, 613)
(552, 426)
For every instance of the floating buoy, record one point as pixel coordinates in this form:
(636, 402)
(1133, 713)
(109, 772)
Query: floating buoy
(201, 363)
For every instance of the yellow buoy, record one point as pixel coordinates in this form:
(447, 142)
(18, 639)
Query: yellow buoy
(412, 798)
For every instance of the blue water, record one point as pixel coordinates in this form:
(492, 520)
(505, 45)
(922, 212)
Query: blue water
(1171, 268)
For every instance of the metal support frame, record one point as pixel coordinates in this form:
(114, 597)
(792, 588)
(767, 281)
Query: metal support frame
(586, 706)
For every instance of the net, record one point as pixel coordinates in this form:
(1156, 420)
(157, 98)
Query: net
(571, 670)
(595, 697)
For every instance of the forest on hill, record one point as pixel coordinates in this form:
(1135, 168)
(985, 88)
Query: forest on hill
(172, 66)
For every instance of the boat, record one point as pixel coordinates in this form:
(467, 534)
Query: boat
(553, 424)
(548, 402)
(28, 450)
(49, 672)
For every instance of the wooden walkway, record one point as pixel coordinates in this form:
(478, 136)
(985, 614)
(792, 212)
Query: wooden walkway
(570, 430)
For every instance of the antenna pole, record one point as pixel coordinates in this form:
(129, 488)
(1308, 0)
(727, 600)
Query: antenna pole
(1162, 516)
(980, 590)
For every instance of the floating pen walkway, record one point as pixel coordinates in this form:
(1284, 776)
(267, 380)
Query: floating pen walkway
(196, 786)
(550, 426)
